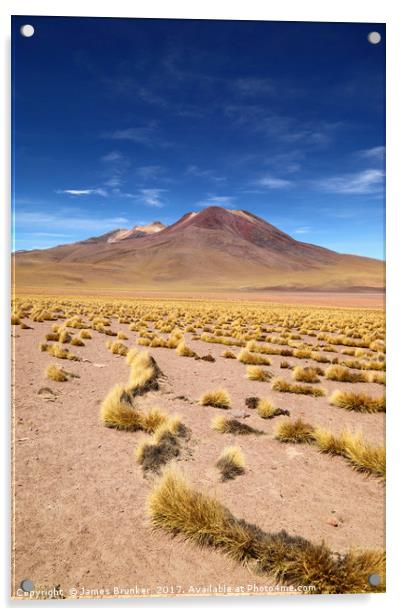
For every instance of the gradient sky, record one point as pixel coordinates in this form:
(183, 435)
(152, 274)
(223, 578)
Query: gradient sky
(120, 122)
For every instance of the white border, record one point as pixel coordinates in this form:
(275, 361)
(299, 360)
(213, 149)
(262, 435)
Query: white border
(387, 11)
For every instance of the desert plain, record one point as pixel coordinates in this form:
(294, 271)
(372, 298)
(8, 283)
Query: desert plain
(134, 418)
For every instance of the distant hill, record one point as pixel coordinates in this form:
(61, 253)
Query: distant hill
(214, 249)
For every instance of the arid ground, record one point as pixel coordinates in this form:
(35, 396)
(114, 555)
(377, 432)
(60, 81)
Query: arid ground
(79, 494)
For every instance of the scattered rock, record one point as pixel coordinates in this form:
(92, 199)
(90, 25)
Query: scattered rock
(99, 365)
(241, 415)
(334, 521)
(208, 358)
(252, 402)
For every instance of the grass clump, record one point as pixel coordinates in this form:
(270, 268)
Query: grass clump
(56, 373)
(117, 348)
(305, 374)
(256, 373)
(163, 446)
(308, 390)
(184, 351)
(362, 455)
(57, 351)
(119, 411)
(341, 373)
(219, 399)
(176, 508)
(357, 401)
(295, 432)
(76, 341)
(267, 410)
(229, 354)
(225, 425)
(121, 336)
(85, 334)
(245, 357)
(231, 463)
(144, 373)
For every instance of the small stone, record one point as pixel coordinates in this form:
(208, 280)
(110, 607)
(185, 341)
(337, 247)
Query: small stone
(333, 521)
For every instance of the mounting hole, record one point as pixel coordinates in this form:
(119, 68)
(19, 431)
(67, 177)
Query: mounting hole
(27, 30)
(374, 38)
(374, 579)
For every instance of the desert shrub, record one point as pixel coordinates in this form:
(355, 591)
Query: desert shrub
(77, 341)
(185, 351)
(121, 335)
(295, 431)
(305, 374)
(245, 357)
(225, 425)
(377, 377)
(357, 401)
(318, 357)
(231, 463)
(163, 446)
(256, 373)
(64, 336)
(57, 351)
(267, 410)
(85, 334)
(56, 373)
(251, 402)
(218, 398)
(144, 373)
(308, 390)
(176, 508)
(340, 373)
(119, 411)
(52, 337)
(285, 364)
(228, 354)
(118, 348)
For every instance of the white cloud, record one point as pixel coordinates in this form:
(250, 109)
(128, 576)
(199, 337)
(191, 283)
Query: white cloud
(148, 172)
(377, 153)
(151, 196)
(81, 192)
(66, 221)
(222, 200)
(302, 230)
(269, 181)
(363, 182)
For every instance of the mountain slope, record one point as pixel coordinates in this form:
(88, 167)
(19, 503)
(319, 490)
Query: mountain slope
(213, 249)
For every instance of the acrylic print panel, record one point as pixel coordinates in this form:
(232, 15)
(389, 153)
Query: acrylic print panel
(198, 307)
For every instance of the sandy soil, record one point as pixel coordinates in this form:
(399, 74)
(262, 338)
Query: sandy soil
(79, 506)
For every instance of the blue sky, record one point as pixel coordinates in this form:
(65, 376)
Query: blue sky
(121, 122)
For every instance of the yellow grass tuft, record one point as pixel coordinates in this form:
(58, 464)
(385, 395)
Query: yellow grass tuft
(341, 373)
(223, 424)
(283, 386)
(219, 399)
(76, 341)
(144, 373)
(229, 354)
(118, 348)
(294, 432)
(266, 409)
(245, 357)
(305, 374)
(256, 373)
(231, 463)
(57, 351)
(176, 508)
(121, 336)
(56, 373)
(118, 410)
(357, 401)
(131, 355)
(185, 351)
(85, 334)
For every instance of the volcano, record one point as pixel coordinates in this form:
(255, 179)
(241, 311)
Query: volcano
(214, 249)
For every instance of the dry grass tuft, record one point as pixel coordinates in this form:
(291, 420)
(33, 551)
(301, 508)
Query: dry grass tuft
(219, 399)
(362, 455)
(144, 373)
(56, 373)
(57, 351)
(163, 446)
(229, 354)
(256, 373)
(358, 401)
(184, 351)
(77, 342)
(176, 508)
(305, 374)
(231, 463)
(251, 402)
(245, 357)
(267, 410)
(85, 334)
(118, 410)
(121, 336)
(295, 432)
(223, 424)
(118, 348)
(341, 373)
(308, 390)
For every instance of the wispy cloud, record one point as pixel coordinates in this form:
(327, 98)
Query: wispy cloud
(148, 135)
(82, 192)
(268, 181)
(251, 86)
(375, 154)
(152, 196)
(363, 182)
(209, 174)
(302, 230)
(54, 222)
(211, 199)
(149, 172)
